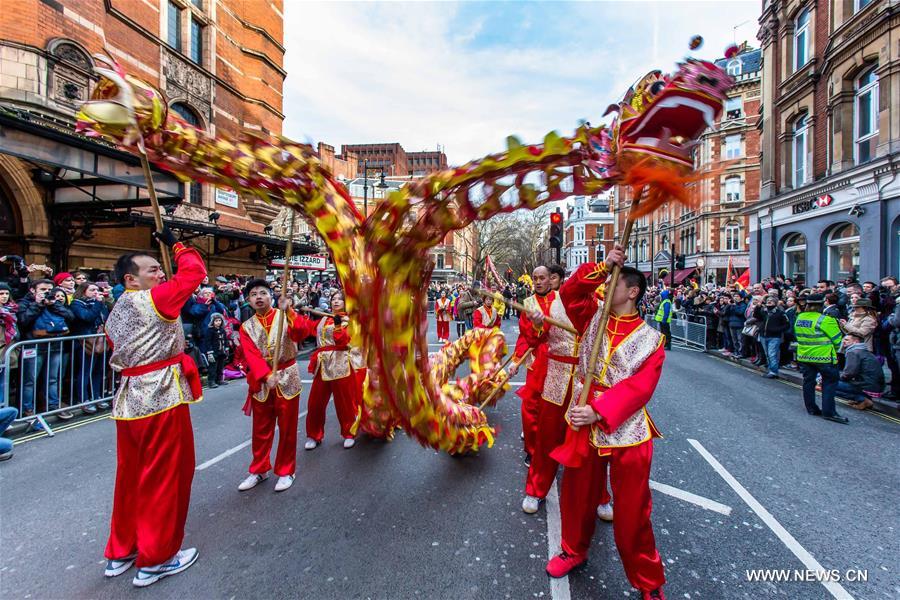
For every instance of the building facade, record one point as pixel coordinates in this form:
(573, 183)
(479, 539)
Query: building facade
(588, 230)
(393, 160)
(78, 203)
(714, 235)
(830, 199)
(425, 162)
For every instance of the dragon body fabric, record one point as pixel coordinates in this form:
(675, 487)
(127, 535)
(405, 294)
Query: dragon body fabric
(383, 261)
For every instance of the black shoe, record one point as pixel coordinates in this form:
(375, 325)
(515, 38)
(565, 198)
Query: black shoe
(815, 412)
(527, 460)
(213, 385)
(836, 419)
(65, 416)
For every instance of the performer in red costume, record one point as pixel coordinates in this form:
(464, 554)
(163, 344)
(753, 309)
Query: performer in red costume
(486, 316)
(338, 369)
(154, 439)
(620, 426)
(274, 397)
(442, 316)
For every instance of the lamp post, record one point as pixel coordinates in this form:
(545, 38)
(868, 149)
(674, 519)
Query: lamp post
(381, 186)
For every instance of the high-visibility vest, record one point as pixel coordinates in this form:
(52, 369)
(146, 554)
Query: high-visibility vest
(818, 338)
(661, 316)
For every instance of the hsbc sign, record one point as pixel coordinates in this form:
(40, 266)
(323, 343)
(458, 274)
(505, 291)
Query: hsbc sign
(823, 201)
(812, 204)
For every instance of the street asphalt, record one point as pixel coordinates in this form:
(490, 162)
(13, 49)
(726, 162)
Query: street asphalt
(744, 479)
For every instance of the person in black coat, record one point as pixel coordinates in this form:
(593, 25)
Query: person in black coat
(772, 324)
(215, 346)
(90, 354)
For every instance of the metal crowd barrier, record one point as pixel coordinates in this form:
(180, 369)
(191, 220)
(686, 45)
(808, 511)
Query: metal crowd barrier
(45, 377)
(687, 331)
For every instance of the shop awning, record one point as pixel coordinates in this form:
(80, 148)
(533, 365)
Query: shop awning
(680, 275)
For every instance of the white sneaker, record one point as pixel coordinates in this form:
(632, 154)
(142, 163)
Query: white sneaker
(310, 444)
(349, 443)
(178, 563)
(605, 512)
(284, 482)
(530, 504)
(115, 567)
(253, 480)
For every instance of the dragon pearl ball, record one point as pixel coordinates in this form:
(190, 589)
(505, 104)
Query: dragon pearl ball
(696, 42)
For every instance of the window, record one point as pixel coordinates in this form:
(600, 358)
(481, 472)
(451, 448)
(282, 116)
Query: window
(665, 243)
(866, 122)
(174, 26)
(843, 252)
(734, 67)
(800, 152)
(734, 108)
(579, 233)
(861, 4)
(795, 258)
(440, 261)
(601, 253)
(733, 189)
(733, 146)
(732, 236)
(198, 3)
(801, 40)
(196, 41)
(631, 251)
(643, 252)
(195, 190)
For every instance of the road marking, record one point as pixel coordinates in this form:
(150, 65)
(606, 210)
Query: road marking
(43, 434)
(836, 589)
(700, 501)
(230, 451)
(559, 588)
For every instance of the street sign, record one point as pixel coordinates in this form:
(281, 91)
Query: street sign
(307, 262)
(226, 197)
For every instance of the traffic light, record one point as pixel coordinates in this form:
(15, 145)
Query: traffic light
(556, 230)
(679, 261)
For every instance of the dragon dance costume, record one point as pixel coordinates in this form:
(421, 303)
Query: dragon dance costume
(623, 436)
(154, 438)
(281, 404)
(338, 370)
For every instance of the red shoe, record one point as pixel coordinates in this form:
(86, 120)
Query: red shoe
(656, 594)
(561, 564)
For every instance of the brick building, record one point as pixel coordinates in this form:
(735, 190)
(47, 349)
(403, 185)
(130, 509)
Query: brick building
(75, 202)
(588, 230)
(830, 198)
(715, 234)
(393, 159)
(425, 162)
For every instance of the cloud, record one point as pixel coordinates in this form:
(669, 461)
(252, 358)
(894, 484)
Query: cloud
(466, 75)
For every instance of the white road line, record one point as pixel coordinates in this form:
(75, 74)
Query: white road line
(559, 588)
(229, 452)
(700, 501)
(836, 589)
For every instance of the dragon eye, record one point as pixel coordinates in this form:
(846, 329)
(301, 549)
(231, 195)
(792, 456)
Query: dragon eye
(657, 87)
(710, 81)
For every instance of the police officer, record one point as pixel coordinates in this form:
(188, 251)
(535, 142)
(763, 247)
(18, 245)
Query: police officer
(664, 317)
(818, 340)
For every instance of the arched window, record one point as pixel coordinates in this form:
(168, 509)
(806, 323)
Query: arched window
(190, 116)
(734, 67)
(733, 188)
(800, 151)
(643, 253)
(733, 236)
(631, 255)
(843, 252)
(795, 257)
(801, 40)
(866, 122)
(665, 243)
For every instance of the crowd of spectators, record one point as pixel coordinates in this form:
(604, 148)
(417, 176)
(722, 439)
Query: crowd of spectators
(757, 324)
(52, 376)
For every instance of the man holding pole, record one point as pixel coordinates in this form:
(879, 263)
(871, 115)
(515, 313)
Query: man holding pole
(274, 394)
(617, 423)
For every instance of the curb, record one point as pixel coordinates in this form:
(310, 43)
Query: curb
(789, 375)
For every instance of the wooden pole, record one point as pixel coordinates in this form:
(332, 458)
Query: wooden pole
(285, 289)
(613, 281)
(313, 311)
(499, 387)
(522, 308)
(154, 202)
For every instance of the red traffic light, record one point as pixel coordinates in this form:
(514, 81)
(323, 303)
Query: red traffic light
(556, 218)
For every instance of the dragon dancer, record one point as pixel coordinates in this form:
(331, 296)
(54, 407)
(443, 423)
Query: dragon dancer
(274, 395)
(620, 426)
(486, 316)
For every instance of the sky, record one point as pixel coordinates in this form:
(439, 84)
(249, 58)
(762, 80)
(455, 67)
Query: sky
(465, 75)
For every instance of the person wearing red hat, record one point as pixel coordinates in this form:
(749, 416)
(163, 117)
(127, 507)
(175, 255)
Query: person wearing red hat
(66, 281)
(154, 437)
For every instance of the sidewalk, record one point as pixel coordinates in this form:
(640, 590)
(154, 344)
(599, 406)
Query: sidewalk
(883, 405)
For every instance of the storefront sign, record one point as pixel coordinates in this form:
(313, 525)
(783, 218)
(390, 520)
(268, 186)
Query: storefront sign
(226, 197)
(824, 200)
(721, 262)
(308, 262)
(805, 206)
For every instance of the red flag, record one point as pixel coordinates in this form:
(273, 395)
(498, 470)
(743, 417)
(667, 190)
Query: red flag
(743, 281)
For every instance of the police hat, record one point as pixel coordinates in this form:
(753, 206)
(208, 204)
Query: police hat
(815, 299)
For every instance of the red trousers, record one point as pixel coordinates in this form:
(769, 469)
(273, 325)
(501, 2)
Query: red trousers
(285, 413)
(531, 404)
(549, 432)
(443, 330)
(154, 471)
(347, 392)
(582, 490)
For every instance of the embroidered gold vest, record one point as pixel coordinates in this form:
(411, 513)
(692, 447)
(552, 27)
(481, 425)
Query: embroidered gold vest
(559, 343)
(627, 359)
(444, 305)
(335, 364)
(288, 379)
(488, 315)
(140, 336)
